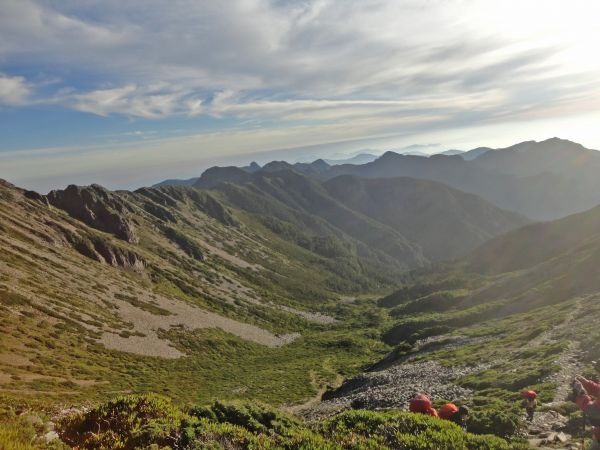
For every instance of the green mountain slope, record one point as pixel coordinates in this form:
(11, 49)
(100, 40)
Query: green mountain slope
(520, 312)
(158, 288)
(539, 265)
(445, 222)
(164, 290)
(537, 243)
(298, 199)
(412, 221)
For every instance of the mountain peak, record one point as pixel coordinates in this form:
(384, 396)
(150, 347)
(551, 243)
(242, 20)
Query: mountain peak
(97, 207)
(389, 155)
(275, 166)
(215, 175)
(556, 141)
(252, 167)
(319, 165)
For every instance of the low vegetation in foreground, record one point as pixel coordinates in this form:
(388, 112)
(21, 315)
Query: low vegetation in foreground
(154, 422)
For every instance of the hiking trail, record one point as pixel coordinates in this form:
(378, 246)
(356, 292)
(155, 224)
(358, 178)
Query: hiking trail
(547, 431)
(321, 387)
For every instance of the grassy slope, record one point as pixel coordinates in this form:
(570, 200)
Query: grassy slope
(412, 221)
(55, 327)
(445, 222)
(520, 303)
(55, 303)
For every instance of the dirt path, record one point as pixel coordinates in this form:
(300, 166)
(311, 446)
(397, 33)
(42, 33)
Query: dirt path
(545, 431)
(321, 386)
(571, 366)
(569, 361)
(549, 336)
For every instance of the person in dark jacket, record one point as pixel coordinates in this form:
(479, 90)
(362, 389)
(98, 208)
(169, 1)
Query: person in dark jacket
(457, 414)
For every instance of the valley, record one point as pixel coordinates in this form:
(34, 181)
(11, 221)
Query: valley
(314, 294)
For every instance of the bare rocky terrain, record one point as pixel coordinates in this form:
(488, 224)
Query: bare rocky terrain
(393, 387)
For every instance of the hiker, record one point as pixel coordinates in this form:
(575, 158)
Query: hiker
(588, 400)
(420, 403)
(529, 403)
(453, 413)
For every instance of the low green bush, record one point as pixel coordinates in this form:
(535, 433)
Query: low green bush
(210, 435)
(153, 422)
(127, 422)
(255, 417)
(401, 430)
(501, 422)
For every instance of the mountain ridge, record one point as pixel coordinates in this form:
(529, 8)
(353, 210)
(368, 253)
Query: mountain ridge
(542, 180)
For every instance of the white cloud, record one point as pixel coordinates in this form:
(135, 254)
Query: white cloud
(274, 51)
(14, 91)
(149, 102)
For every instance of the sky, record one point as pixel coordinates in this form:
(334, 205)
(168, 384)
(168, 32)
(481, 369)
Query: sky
(127, 94)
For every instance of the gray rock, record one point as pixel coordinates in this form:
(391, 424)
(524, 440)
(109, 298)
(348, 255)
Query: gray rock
(50, 436)
(394, 386)
(98, 208)
(551, 438)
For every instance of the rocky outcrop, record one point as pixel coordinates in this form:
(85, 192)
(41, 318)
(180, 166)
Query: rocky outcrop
(117, 256)
(96, 207)
(164, 196)
(32, 195)
(100, 249)
(160, 212)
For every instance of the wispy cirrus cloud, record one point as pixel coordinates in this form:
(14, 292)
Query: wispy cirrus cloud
(165, 58)
(359, 68)
(150, 102)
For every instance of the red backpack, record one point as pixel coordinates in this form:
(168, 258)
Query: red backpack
(447, 411)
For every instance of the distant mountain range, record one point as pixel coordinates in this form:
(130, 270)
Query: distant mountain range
(541, 180)
(362, 158)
